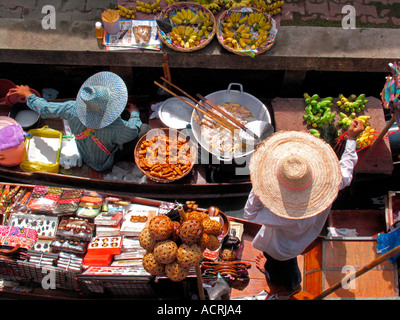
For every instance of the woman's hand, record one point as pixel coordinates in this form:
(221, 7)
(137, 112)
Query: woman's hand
(24, 91)
(355, 129)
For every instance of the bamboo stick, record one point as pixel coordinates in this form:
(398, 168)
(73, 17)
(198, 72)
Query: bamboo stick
(233, 119)
(377, 140)
(198, 102)
(193, 106)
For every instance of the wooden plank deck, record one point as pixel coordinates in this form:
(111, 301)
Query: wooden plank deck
(327, 264)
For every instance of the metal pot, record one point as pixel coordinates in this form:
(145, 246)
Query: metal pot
(254, 105)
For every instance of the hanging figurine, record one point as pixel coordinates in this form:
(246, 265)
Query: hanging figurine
(391, 91)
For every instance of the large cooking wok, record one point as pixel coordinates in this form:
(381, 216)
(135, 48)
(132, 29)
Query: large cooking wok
(254, 105)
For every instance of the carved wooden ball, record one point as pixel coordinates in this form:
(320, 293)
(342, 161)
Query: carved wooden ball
(146, 241)
(151, 265)
(212, 227)
(160, 227)
(197, 215)
(165, 251)
(189, 255)
(176, 272)
(191, 231)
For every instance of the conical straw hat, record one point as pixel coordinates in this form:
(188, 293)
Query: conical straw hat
(295, 175)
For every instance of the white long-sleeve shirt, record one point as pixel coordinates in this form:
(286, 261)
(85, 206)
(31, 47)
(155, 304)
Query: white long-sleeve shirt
(284, 238)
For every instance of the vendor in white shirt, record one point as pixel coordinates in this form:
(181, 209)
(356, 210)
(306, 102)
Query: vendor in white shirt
(295, 178)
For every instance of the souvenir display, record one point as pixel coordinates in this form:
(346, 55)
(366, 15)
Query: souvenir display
(17, 237)
(175, 246)
(75, 228)
(105, 245)
(89, 205)
(44, 199)
(69, 201)
(167, 241)
(45, 226)
(136, 218)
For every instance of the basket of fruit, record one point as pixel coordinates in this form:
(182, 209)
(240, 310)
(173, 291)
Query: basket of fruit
(193, 26)
(246, 31)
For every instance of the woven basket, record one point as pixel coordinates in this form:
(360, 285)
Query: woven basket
(171, 133)
(168, 12)
(273, 31)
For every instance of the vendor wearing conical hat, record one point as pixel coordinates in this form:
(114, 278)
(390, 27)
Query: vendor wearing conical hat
(295, 178)
(94, 118)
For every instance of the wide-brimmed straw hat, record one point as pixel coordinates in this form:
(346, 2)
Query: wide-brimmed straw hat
(101, 99)
(295, 175)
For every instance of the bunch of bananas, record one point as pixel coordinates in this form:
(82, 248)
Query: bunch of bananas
(148, 7)
(185, 16)
(238, 30)
(268, 6)
(318, 110)
(214, 6)
(366, 137)
(185, 36)
(237, 3)
(258, 21)
(169, 2)
(239, 37)
(206, 24)
(353, 103)
(127, 13)
(345, 120)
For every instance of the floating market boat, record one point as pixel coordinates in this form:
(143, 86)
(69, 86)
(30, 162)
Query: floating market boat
(349, 239)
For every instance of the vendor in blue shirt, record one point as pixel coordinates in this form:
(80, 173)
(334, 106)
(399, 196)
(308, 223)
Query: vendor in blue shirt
(94, 118)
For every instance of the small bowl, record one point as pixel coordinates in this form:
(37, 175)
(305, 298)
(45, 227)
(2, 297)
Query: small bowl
(5, 86)
(175, 113)
(27, 118)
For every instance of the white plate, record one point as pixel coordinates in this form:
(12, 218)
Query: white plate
(175, 113)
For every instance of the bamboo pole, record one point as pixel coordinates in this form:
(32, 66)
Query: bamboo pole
(200, 282)
(377, 140)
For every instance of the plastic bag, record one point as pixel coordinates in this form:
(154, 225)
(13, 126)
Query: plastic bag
(217, 289)
(70, 156)
(389, 241)
(31, 166)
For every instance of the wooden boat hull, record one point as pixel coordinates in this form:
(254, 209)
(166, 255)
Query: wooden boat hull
(172, 191)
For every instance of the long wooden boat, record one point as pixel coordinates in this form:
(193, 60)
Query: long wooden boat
(323, 264)
(286, 114)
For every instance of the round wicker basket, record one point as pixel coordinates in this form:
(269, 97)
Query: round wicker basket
(169, 11)
(245, 10)
(170, 134)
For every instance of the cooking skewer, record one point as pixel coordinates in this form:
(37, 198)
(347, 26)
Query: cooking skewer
(195, 107)
(234, 120)
(198, 102)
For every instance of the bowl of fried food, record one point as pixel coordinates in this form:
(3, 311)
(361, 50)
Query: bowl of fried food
(165, 155)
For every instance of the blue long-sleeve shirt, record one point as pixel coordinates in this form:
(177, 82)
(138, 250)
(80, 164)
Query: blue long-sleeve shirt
(115, 134)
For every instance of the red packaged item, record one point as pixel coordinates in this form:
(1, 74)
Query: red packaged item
(105, 246)
(91, 259)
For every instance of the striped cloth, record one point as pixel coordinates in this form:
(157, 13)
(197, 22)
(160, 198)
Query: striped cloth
(115, 134)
